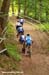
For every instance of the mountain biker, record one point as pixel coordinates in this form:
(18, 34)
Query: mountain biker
(20, 30)
(28, 42)
(22, 38)
(18, 24)
(21, 21)
(22, 41)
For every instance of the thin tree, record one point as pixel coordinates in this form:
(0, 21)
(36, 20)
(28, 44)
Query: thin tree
(25, 7)
(3, 18)
(47, 10)
(19, 7)
(40, 9)
(12, 2)
(35, 8)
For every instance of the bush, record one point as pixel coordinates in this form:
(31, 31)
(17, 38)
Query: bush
(44, 27)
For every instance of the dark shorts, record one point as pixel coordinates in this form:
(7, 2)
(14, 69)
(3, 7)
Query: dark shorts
(21, 23)
(28, 44)
(22, 41)
(20, 32)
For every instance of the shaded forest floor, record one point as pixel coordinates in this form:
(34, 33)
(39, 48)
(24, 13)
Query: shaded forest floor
(38, 64)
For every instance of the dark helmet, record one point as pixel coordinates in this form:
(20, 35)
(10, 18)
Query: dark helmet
(28, 34)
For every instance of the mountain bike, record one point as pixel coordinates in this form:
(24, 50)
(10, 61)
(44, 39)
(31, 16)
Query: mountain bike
(29, 50)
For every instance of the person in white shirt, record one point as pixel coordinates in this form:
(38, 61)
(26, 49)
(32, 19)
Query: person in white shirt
(22, 41)
(18, 24)
(22, 38)
(21, 21)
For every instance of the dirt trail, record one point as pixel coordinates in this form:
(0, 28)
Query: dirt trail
(38, 64)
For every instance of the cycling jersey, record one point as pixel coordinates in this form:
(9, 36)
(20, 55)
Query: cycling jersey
(22, 38)
(18, 25)
(21, 20)
(28, 40)
(20, 29)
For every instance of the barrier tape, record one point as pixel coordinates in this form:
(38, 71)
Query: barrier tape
(2, 39)
(4, 30)
(3, 50)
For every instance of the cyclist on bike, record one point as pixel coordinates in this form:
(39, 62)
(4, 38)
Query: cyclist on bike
(18, 24)
(21, 21)
(22, 41)
(28, 42)
(22, 38)
(20, 30)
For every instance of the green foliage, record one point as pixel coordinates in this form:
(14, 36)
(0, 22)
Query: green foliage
(10, 30)
(44, 27)
(13, 51)
(11, 45)
(1, 3)
(37, 9)
(15, 10)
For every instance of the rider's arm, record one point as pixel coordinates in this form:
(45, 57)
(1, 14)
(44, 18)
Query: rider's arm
(32, 40)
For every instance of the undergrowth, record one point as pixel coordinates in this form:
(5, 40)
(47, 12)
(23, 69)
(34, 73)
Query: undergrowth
(43, 27)
(12, 49)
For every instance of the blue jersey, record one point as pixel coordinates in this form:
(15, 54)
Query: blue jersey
(20, 29)
(28, 40)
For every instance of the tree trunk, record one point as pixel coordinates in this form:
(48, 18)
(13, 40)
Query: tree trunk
(35, 8)
(4, 13)
(40, 9)
(47, 10)
(12, 7)
(0, 3)
(2, 44)
(3, 19)
(18, 8)
(25, 8)
(46, 15)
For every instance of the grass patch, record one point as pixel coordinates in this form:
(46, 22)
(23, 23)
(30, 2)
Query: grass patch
(11, 44)
(44, 27)
(10, 30)
(13, 51)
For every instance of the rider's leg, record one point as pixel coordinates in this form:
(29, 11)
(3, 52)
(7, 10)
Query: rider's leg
(23, 48)
(29, 49)
(17, 34)
(21, 23)
(26, 49)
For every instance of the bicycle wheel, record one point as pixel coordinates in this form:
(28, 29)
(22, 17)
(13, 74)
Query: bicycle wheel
(29, 52)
